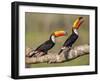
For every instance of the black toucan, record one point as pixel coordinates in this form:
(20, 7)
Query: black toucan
(74, 36)
(47, 45)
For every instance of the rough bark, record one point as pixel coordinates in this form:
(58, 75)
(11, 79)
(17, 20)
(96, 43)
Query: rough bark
(55, 58)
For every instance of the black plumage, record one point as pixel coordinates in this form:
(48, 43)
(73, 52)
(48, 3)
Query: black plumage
(74, 36)
(71, 39)
(47, 45)
(69, 42)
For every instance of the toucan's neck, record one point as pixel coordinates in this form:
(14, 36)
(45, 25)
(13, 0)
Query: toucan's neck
(75, 31)
(52, 38)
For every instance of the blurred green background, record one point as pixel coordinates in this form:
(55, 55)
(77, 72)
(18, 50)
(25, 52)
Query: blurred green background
(39, 26)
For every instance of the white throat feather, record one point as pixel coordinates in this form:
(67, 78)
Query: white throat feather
(75, 31)
(53, 38)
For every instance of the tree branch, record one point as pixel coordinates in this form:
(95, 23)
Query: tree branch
(55, 58)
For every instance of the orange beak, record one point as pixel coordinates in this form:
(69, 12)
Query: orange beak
(60, 33)
(78, 22)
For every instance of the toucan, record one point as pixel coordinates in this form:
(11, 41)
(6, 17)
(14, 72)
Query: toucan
(73, 37)
(47, 45)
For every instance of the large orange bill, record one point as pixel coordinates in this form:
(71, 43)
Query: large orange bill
(78, 22)
(60, 33)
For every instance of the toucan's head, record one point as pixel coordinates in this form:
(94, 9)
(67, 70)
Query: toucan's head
(78, 22)
(60, 33)
(57, 34)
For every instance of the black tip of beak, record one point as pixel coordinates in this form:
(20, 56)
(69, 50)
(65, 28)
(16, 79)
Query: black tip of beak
(80, 18)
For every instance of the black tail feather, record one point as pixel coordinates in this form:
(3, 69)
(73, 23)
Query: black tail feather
(32, 55)
(60, 51)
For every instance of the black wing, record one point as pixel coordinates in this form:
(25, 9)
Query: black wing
(45, 46)
(71, 39)
(69, 42)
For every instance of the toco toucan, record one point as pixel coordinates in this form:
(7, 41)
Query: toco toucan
(74, 36)
(47, 45)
